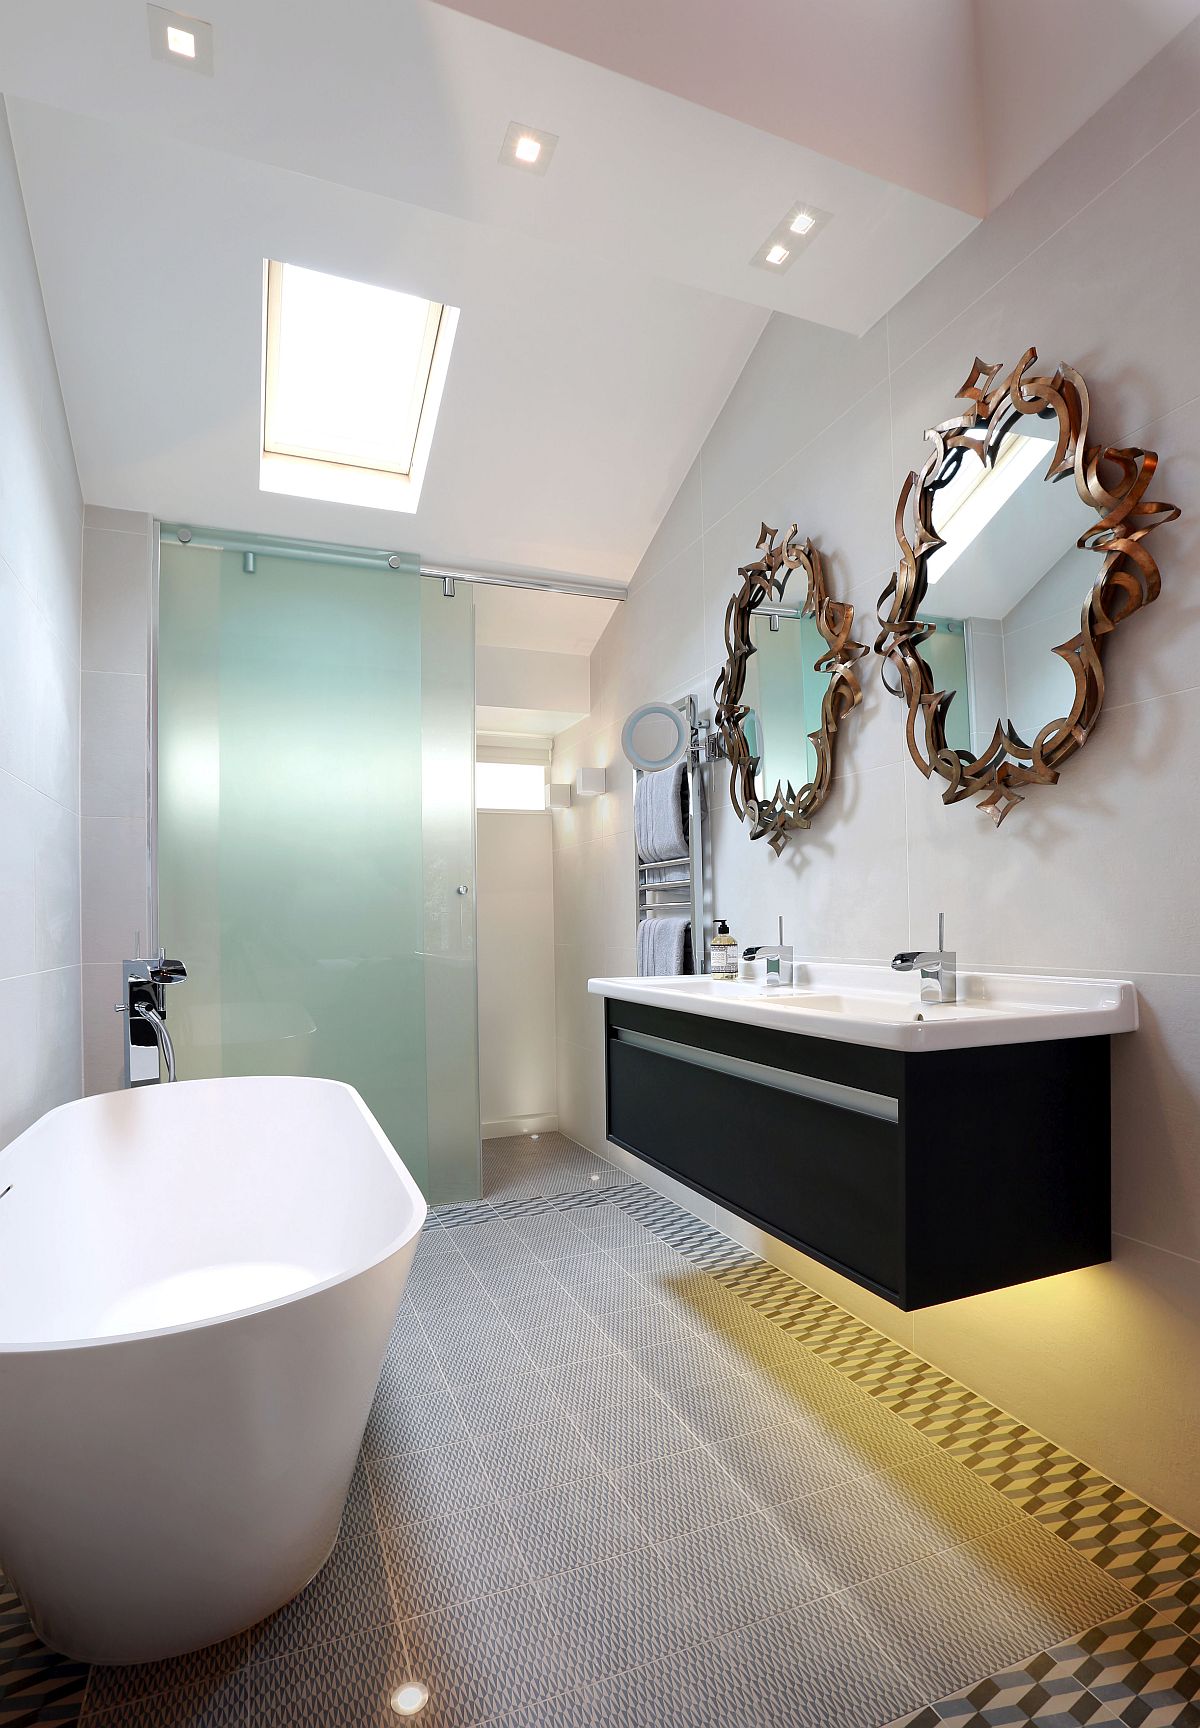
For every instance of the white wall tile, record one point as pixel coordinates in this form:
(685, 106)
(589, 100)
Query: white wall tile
(114, 887)
(1094, 262)
(40, 540)
(103, 1029)
(113, 751)
(116, 600)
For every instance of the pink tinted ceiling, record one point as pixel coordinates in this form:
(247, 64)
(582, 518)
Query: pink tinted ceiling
(888, 86)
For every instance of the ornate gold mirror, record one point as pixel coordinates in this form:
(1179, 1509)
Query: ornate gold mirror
(788, 683)
(1022, 547)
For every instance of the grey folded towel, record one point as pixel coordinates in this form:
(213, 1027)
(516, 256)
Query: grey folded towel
(664, 947)
(660, 814)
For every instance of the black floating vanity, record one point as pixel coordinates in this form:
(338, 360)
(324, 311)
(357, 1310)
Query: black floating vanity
(923, 1174)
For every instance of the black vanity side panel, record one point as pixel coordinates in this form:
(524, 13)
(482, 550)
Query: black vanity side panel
(1007, 1168)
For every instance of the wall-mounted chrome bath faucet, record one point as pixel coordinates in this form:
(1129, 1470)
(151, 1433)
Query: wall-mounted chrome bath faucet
(938, 967)
(144, 1005)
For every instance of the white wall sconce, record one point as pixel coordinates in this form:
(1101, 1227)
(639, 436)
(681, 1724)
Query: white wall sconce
(558, 795)
(589, 782)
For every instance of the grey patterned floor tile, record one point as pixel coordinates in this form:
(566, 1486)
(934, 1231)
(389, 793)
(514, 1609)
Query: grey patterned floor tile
(495, 1242)
(608, 1223)
(410, 1362)
(604, 1292)
(636, 1426)
(503, 1402)
(815, 1452)
(620, 1613)
(520, 1280)
(592, 1267)
(220, 1702)
(488, 1352)
(687, 1491)
(651, 1326)
(558, 1331)
(1016, 1697)
(406, 1419)
(974, 1610)
(37, 1685)
(733, 1404)
(349, 1594)
(683, 1362)
(586, 1389)
(345, 1684)
(551, 1235)
(486, 1658)
(441, 1562)
(573, 1525)
(824, 1667)
(876, 1524)
(429, 1484)
(549, 1452)
(115, 1688)
(744, 1572)
(358, 1515)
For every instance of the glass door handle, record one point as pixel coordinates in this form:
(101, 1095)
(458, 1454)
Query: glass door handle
(463, 888)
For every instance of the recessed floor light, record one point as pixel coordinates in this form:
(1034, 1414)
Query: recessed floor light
(526, 148)
(409, 1699)
(777, 254)
(181, 40)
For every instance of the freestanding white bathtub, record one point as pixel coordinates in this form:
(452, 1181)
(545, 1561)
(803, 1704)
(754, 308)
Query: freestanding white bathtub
(197, 1284)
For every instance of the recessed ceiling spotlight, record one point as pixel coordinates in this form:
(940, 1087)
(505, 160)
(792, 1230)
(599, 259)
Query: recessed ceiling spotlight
(526, 148)
(797, 230)
(181, 40)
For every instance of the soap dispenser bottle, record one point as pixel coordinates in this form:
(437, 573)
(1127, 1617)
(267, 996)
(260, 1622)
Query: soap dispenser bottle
(724, 953)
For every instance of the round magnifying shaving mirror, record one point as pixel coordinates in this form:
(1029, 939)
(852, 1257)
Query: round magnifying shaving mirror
(655, 737)
(1022, 547)
(788, 683)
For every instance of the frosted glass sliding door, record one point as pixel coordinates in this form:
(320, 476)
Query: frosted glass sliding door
(316, 837)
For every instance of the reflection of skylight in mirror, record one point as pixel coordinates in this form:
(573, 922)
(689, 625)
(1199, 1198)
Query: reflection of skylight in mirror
(972, 499)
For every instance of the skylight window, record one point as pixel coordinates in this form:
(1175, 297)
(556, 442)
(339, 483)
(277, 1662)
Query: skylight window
(352, 381)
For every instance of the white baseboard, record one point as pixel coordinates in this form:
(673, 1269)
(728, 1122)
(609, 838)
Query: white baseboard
(518, 1125)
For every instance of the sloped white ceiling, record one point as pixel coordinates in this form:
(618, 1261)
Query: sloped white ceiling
(607, 307)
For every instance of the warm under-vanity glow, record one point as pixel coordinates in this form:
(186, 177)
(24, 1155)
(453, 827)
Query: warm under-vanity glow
(352, 381)
(777, 254)
(181, 42)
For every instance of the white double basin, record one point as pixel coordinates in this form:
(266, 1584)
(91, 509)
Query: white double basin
(871, 1004)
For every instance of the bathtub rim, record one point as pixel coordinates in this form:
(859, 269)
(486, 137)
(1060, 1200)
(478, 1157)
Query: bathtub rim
(14, 1347)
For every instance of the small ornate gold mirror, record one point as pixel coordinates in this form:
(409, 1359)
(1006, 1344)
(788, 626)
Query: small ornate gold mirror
(1022, 547)
(788, 683)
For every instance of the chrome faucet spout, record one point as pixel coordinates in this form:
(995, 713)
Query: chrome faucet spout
(938, 967)
(155, 1021)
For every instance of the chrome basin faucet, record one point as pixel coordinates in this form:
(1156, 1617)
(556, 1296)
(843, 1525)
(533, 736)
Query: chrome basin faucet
(777, 955)
(937, 966)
